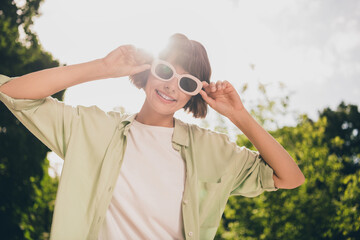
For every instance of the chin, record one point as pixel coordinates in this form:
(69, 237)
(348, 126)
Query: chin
(165, 112)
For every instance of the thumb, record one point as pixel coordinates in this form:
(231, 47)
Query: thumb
(207, 99)
(140, 68)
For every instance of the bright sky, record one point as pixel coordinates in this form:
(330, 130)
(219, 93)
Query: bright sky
(313, 46)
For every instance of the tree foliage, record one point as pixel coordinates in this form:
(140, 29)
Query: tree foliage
(326, 206)
(342, 132)
(26, 190)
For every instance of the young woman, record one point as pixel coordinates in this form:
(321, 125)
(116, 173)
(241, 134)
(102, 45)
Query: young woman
(147, 175)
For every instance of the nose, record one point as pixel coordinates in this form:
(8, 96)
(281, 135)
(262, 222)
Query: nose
(171, 85)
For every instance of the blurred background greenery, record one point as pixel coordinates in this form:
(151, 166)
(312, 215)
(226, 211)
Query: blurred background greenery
(327, 151)
(27, 192)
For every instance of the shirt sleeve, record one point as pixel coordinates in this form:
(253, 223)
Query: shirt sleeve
(49, 119)
(253, 175)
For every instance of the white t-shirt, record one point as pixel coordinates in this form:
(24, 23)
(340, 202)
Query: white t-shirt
(146, 202)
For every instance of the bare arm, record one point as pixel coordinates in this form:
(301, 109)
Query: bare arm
(122, 61)
(44, 83)
(287, 173)
(224, 99)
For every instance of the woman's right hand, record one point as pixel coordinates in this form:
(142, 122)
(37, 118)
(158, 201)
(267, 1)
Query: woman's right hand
(126, 60)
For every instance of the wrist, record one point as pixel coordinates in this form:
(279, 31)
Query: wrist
(103, 68)
(240, 118)
(236, 113)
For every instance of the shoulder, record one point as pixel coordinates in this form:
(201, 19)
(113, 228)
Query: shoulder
(97, 117)
(207, 136)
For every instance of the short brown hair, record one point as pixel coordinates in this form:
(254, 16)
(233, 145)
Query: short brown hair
(190, 55)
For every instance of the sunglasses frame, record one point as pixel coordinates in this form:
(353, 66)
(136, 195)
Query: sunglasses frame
(156, 62)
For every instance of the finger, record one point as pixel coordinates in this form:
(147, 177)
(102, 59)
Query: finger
(207, 99)
(206, 86)
(129, 52)
(219, 85)
(142, 56)
(140, 68)
(212, 87)
(120, 50)
(130, 48)
(228, 87)
(226, 84)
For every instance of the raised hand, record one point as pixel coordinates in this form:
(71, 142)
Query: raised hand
(126, 60)
(222, 97)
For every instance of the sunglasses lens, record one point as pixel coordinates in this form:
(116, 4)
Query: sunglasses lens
(188, 84)
(163, 71)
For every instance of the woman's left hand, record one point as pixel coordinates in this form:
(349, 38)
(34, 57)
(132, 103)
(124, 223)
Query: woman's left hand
(222, 97)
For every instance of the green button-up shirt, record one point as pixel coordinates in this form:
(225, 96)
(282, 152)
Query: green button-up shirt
(93, 142)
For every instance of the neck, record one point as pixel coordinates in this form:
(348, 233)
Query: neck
(154, 119)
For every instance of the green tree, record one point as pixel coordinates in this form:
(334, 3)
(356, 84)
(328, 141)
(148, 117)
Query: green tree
(26, 190)
(342, 135)
(327, 151)
(325, 207)
(343, 140)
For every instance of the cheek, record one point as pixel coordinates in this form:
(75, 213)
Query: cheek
(149, 85)
(153, 83)
(185, 99)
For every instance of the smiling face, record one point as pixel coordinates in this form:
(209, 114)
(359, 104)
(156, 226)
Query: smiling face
(192, 57)
(164, 97)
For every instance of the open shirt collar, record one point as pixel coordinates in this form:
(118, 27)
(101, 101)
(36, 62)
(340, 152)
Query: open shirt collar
(180, 135)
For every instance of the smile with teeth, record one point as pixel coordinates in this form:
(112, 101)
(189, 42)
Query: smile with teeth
(164, 96)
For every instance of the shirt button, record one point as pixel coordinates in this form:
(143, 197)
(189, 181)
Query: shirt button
(185, 201)
(190, 234)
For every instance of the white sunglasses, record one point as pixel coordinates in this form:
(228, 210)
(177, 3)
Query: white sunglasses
(187, 83)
